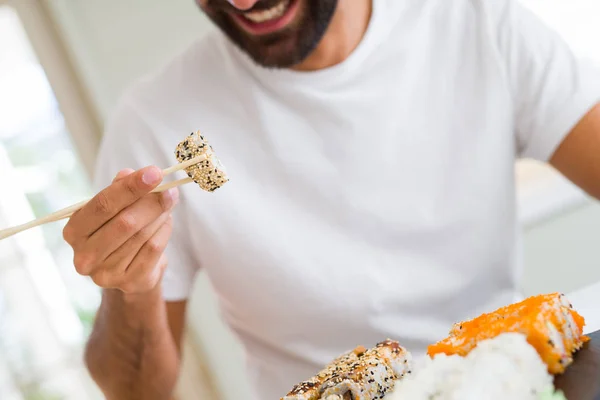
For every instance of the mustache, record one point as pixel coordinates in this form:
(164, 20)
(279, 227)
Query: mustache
(224, 5)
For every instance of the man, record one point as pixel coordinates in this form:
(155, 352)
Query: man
(371, 148)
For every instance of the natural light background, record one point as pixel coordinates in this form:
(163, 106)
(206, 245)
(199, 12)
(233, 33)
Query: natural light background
(45, 307)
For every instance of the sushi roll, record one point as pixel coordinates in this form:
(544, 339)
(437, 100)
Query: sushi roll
(311, 388)
(548, 321)
(209, 173)
(372, 376)
(357, 375)
(505, 367)
(307, 390)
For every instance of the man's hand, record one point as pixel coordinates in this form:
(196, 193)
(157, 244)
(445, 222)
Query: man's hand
(119, 236)
(119, 239)
(578, 157)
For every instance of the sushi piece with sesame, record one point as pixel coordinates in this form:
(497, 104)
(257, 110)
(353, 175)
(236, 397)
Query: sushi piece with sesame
(357, 375)
(549, 323)
(209, 173)
(372, 376)
(311, 388)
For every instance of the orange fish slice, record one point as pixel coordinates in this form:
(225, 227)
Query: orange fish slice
(548, 321)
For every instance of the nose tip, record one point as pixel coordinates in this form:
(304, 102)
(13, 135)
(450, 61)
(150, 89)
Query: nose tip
(243, 4)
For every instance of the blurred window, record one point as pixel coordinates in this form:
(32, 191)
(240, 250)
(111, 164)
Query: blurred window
(46, 308)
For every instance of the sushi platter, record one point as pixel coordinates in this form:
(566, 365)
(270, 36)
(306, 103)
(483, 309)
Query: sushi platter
(581, 380)
(531, 350)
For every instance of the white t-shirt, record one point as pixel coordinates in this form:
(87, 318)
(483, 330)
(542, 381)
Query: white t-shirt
(372, 199)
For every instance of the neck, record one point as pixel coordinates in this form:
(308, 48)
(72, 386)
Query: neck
(344, 34)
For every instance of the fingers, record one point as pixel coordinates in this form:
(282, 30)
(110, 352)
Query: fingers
(124, 191)
(120, 175)
(145, 270)
(119, 237)
(120, 260)
(126, 224)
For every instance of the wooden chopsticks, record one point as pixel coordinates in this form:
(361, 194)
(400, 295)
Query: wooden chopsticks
(69, 211)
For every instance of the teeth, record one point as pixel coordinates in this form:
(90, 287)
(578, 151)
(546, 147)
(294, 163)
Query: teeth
(271, 13)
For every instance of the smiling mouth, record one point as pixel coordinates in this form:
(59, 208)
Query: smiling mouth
(268, 15)
(270, 20)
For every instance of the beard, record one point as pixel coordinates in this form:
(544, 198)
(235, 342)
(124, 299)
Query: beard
(284, 48)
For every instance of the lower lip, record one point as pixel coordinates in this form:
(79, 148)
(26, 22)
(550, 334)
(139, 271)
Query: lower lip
(263, 28)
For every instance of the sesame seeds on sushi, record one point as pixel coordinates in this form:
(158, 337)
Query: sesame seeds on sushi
(511, 353)
(209, 173)
(361, 374)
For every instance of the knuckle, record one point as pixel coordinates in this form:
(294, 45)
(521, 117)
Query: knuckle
(68, 233)
(102, 204)
(83, 262)
(155, 245)
(126, 222)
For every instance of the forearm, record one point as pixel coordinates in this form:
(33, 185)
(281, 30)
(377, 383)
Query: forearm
(131, 353)
(578, 156)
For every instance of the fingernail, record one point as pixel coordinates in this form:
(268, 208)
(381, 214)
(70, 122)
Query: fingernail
(151, 176)
(172, 194)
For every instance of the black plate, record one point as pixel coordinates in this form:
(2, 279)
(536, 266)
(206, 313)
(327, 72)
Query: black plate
(581, 380)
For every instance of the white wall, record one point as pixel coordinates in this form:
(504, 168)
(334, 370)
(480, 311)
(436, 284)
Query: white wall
(563, 254)
(114, 41)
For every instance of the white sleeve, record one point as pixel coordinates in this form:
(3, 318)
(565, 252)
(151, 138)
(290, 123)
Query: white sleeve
(552, 89)
(129, 143)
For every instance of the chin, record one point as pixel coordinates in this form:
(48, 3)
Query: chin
(285, 52)
(285, 47)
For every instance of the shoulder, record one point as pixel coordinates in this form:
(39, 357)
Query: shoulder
(504, 24)
(475, 16)
(492, 12)
(476, 7)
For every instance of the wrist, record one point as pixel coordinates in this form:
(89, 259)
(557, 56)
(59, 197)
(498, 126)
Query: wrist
(154, 294)
(117, 296)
